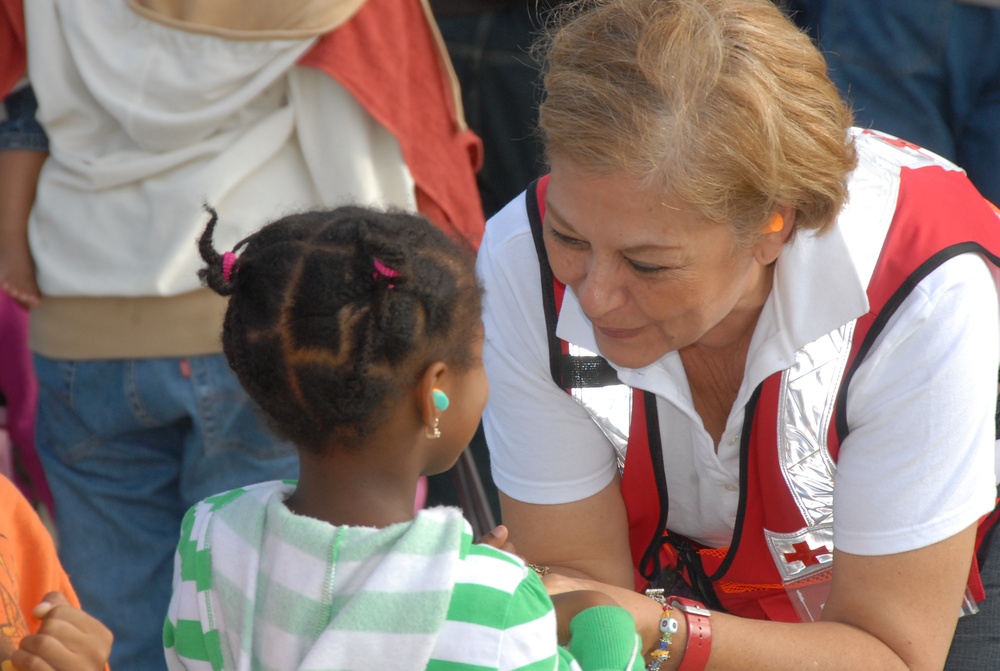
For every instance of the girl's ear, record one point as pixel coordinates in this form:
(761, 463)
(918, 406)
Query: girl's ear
(431, 379)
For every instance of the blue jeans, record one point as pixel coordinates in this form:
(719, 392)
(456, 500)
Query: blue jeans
(20, 130)
(925, 70)
(127, 447)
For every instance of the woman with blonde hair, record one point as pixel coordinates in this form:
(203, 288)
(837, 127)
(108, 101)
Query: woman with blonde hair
(804, 316)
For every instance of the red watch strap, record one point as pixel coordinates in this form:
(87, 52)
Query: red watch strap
(699, 635)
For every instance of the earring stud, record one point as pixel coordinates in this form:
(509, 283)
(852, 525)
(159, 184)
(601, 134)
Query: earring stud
(434, 432)
(774, 224)
(441, 401)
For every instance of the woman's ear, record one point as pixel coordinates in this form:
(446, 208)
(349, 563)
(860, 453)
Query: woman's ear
(431, 379)
(774, 235)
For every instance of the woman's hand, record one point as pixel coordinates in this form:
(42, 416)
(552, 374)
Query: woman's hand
(68, 640)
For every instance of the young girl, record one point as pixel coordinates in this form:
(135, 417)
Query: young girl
(358, 333)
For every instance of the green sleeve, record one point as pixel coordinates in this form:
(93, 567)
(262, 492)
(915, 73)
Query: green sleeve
(603, 638)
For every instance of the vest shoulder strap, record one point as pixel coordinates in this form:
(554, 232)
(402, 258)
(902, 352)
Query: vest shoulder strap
(568, 371)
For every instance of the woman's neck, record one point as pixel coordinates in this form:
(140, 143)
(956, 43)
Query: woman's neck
(733, 334)
(715, 365)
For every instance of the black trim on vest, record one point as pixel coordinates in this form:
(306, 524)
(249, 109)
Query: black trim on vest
(568, 372)
(887, 312)
(649, 565)
(548, 291)
(687, 556)
(749, 413)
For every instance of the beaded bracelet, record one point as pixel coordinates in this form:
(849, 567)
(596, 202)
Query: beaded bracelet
(668, 627)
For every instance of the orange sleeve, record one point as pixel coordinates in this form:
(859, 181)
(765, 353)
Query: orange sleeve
(29, 568)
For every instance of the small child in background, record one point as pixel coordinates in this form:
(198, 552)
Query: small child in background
(37, 597)
(358, 333)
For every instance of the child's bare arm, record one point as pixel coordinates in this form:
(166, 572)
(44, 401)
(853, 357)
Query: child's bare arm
(68, 640)
(19, 170)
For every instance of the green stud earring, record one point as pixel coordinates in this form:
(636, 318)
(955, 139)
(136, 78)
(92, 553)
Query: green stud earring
(441, 401)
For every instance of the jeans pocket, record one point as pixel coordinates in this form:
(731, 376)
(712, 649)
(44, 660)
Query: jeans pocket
(61, 430)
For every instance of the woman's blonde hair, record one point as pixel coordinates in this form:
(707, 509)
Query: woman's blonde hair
(721, 105)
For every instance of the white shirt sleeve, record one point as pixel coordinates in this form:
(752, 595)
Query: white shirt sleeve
(919, 463)
(544, 447)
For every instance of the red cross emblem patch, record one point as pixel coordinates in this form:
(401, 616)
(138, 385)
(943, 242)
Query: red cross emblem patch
(806, 554)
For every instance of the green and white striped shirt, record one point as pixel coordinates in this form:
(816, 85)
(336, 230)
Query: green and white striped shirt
(259, 588)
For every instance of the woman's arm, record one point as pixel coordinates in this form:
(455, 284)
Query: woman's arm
(892, 612)
(585, 539)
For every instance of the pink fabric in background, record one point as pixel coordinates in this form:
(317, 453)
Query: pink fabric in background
(17, 382)
(420, 500)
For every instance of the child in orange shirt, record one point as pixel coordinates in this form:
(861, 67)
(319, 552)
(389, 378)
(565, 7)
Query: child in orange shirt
(41, 623)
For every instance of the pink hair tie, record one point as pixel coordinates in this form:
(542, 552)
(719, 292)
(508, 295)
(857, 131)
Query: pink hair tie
(384, 271)
(228, 261)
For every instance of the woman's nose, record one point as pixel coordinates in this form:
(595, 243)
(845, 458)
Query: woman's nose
(600, 290)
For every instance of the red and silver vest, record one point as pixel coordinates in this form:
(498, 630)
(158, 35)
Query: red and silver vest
(780, 559)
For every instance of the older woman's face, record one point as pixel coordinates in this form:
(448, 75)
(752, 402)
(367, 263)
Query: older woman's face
(650, 276)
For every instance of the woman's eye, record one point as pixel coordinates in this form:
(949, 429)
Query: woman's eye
(644, 268)
(565, 239)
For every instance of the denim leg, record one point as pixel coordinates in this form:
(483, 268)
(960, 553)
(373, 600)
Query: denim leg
(229, 445)
(19, 129)
(976, 646)
(118, 440)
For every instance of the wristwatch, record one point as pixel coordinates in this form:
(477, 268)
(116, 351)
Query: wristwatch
(699, 636)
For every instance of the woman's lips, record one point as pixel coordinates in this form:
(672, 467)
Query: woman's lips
(618, 334)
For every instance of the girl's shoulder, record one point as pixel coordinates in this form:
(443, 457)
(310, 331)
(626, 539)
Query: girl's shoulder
(240, 507)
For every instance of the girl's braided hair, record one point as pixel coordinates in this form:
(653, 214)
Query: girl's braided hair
(334, 314)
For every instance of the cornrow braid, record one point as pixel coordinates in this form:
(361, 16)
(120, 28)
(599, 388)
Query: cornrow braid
(320, 337)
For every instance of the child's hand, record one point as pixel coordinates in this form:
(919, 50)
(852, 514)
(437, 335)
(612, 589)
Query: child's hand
(498, 538)
(68, 640)
(17, 270)
(570, 604)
